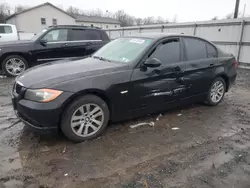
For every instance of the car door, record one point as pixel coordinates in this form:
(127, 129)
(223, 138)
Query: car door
(84, 42)
(52, 46)
(154, 88)
(201, 60)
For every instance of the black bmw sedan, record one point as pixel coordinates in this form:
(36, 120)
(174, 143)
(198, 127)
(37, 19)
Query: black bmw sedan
(128, 77)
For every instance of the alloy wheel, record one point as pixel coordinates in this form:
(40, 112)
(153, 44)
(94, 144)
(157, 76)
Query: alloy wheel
(15, 66)
(217, 91)
(87, 120)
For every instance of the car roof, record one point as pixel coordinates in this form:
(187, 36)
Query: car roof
(158, 35)
(74, 27)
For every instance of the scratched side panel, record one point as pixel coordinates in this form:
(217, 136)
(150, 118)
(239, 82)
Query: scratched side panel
(153, 88)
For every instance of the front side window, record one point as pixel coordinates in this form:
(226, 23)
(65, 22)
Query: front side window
(195, 49)
(56, 35)
(168, 51)
(123, 50)
(43, 21)
(5, 29)
(38, 35)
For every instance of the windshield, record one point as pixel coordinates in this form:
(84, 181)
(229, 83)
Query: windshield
(123, 50)
(35, 37)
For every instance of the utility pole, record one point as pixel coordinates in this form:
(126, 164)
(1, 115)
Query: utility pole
(236, 10)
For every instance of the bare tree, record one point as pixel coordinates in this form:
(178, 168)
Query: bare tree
(124, 18)
(148, 20)
(73, 11)
(20, 8)
(4, 12)
(159, 20)
(138, 21)
(97, 12)
(215, 18)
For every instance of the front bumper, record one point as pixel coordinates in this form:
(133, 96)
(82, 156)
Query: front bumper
(41, 116)
(27, 122)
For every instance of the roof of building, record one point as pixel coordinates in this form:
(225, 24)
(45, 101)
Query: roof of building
(38, 6)
(96, 19)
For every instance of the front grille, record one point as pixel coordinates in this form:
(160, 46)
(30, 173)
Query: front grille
(17, 88)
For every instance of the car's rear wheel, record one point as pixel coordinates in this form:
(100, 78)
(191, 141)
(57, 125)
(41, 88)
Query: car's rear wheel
(85, 118)
(14, 65)
(216, 92)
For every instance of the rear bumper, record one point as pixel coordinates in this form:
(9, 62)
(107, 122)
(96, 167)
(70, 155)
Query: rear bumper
(42, 116)
(231, 81)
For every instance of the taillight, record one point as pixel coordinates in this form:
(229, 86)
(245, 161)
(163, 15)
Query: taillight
(235, 64)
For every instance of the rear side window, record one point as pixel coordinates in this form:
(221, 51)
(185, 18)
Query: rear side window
(93, 35)
(168, 51)
(195, 49)
(5, 29)
(84, 34)
(211, 51)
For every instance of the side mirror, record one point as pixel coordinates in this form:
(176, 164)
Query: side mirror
(43, 42)
(152, 62)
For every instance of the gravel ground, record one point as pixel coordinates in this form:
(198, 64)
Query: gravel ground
(210, 148)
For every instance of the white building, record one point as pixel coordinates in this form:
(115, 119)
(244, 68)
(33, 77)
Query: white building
(35, 19)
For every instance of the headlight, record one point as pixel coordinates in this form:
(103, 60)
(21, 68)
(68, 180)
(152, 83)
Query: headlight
(42, 95)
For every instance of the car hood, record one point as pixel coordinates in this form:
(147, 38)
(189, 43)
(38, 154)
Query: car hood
(16, 43)
(53, 73)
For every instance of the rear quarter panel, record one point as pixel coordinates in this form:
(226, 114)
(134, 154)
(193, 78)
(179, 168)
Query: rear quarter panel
(227, 70)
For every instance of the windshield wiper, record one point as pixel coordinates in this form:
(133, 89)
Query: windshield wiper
(101, 58)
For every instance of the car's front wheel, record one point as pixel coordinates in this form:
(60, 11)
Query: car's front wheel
(216, 92)
(85, 118)
(14, 65)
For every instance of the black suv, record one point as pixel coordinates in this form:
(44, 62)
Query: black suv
(53, 43)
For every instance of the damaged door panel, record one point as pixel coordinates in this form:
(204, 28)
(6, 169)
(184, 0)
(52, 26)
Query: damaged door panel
(154, 86)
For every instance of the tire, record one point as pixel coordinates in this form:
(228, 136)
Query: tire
(72, 128)
(222, 84)
(21, 65)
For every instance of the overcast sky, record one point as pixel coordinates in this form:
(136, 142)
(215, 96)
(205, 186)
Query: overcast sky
(185, 10)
